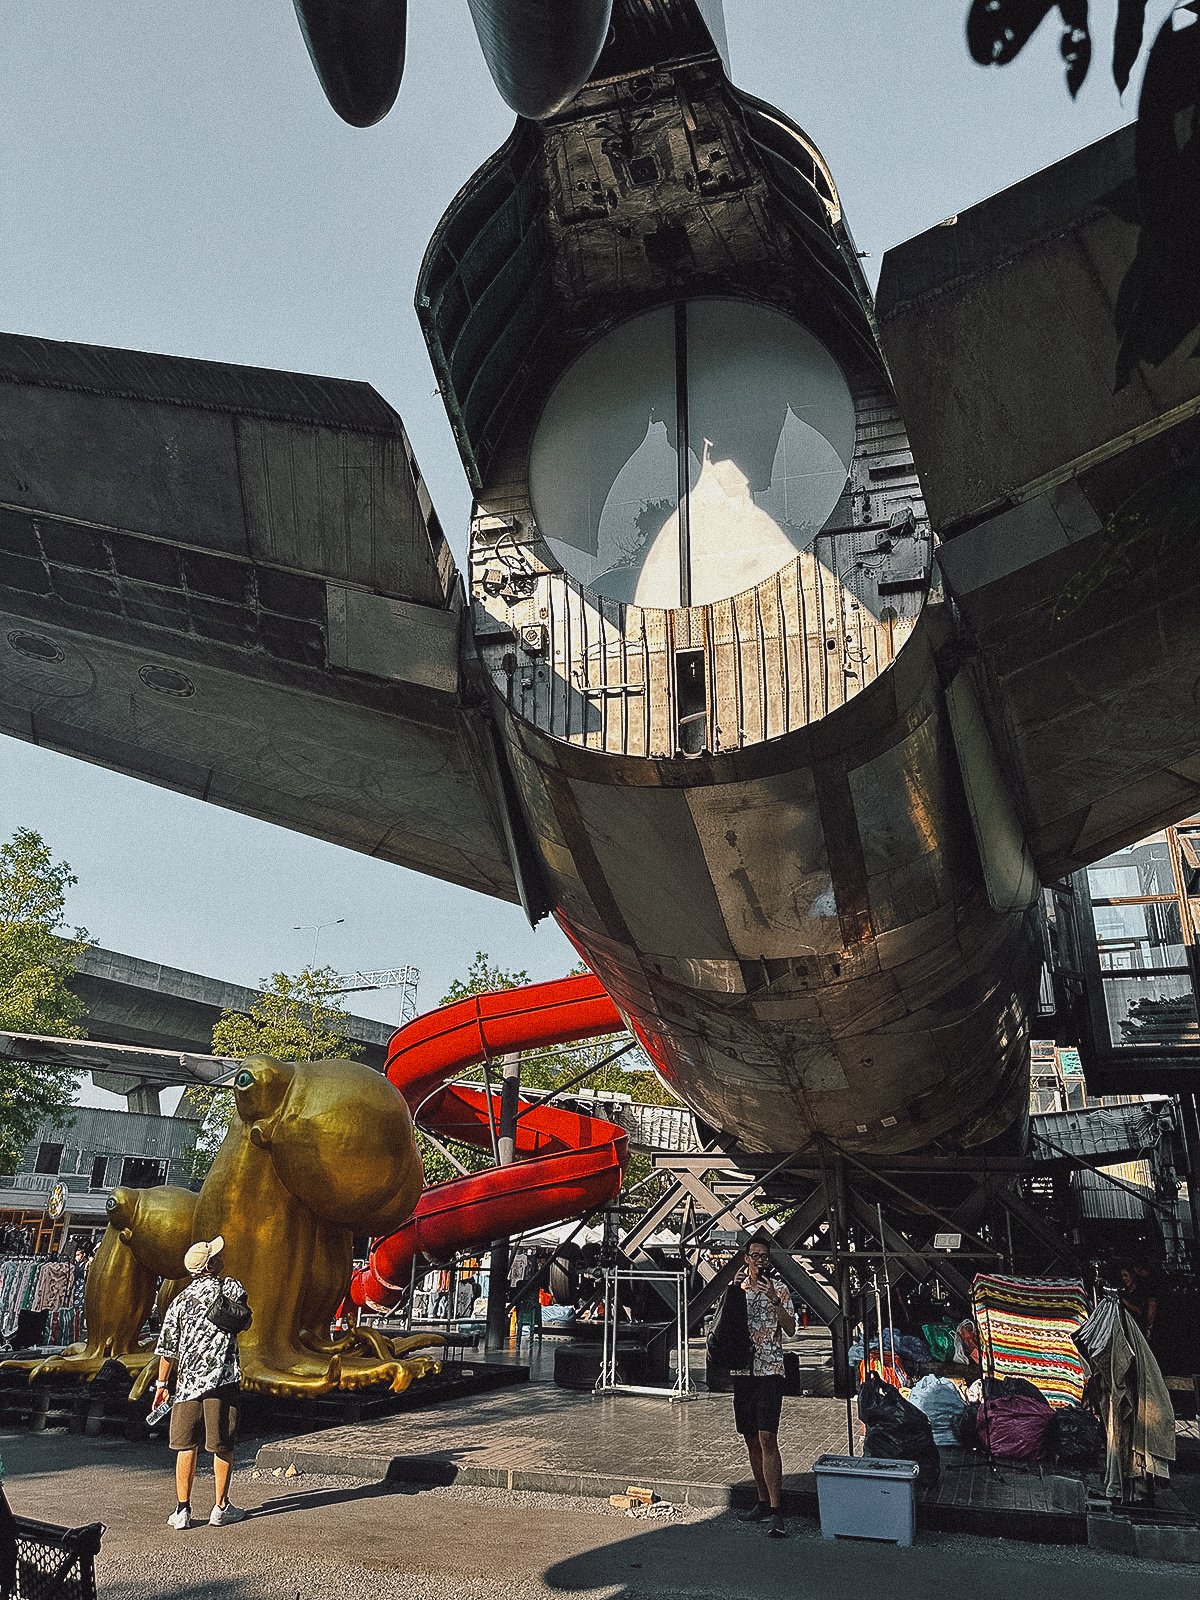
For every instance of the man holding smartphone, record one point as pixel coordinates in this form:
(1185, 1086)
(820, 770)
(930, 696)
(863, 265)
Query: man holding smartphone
(758, 1394)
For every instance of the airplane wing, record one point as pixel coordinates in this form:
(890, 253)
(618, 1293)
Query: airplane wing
(1067, 507)
(231, 582)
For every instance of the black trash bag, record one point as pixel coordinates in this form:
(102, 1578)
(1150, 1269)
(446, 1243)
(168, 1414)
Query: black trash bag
(729, 1343)
(878, 1402)
(889, 1444)
(997, 1388)
(897, 1430)
(964, 1426)
(1077, 1439)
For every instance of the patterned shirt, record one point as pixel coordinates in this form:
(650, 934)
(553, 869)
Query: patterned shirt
(206, 1358)
(765, 1332)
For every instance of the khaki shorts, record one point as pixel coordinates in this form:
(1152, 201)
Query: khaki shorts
(212, 1420)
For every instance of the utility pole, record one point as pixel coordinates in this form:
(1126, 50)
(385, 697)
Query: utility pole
(506, 1149)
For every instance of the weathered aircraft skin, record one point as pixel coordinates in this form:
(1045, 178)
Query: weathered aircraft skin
(778, 881)
(788, 785)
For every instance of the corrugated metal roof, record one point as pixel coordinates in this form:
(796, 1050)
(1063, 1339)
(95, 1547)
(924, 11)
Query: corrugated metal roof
(1100, 1131)
(1100, 1200)
(660, 1127)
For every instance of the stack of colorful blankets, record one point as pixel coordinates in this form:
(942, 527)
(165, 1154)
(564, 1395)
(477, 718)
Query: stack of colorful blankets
(1025, 1331)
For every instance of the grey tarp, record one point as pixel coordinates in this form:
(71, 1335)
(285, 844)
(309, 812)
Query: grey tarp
(1136, 1409)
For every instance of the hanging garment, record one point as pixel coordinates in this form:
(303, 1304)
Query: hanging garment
(1026, 1328)
(1136, 1409)
(519, 1268)
(55, 1286)
(18, 1277)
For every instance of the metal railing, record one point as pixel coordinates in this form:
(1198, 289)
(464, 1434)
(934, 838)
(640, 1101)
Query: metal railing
(608, 1382)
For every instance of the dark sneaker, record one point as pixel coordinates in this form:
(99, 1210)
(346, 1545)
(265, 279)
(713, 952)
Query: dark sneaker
(756, 1513)
(777, 1529)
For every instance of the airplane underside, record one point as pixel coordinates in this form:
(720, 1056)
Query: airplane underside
(784, 735)
(801, 935)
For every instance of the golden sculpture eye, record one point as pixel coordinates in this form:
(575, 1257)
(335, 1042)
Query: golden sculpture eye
(244, 1080)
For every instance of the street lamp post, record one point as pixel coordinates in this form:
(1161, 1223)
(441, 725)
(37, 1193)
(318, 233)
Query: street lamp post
(315, 928)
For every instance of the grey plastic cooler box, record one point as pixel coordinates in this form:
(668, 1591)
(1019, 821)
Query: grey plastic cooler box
(866, 1497)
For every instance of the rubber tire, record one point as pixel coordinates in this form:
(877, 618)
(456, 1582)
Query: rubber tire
(564, 1274)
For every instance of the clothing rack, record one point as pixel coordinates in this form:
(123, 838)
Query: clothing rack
(52, 1285)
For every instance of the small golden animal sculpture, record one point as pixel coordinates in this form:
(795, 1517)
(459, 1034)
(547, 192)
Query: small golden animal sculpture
(317, 1152)
(148, 1231)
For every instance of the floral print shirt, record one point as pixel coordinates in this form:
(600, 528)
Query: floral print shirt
(765, 1332)
(206, 1358)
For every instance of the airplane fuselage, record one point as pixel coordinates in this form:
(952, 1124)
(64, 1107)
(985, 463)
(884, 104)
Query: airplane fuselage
(706, 624)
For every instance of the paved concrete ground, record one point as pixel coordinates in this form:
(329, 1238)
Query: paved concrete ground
(539, 1437)
(316, 1538)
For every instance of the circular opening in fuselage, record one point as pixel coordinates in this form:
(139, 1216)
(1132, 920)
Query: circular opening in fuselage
(727, 407)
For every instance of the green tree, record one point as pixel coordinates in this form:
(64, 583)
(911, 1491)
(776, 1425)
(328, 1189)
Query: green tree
(37, 957)
(295, 1018)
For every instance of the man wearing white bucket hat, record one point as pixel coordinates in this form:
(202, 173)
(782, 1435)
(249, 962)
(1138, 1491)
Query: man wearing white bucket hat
(197, 1343)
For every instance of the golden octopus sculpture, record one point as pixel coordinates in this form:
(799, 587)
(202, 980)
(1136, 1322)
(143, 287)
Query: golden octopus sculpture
(317, 1152)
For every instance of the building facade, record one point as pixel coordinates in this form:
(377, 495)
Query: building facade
(69, 1168)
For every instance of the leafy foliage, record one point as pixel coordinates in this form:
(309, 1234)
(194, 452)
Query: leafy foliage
(295, 1018)
(1158, 305)
(37, 957)
(630, 1074)
(998, 30)
(1127, 40)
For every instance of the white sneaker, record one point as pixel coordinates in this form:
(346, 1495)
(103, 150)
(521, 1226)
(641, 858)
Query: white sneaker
(179, 1520)
(222, 1516)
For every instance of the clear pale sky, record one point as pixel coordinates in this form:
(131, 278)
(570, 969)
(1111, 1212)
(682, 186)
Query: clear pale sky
(173, 180)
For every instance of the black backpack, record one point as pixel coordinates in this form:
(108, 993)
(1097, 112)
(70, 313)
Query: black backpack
(729, 1343)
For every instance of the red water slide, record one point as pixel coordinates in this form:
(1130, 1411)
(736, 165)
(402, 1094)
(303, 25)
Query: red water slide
(566, 1164)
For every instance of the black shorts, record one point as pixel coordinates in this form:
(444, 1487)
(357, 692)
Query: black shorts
(211, 1419)
(757, 1404)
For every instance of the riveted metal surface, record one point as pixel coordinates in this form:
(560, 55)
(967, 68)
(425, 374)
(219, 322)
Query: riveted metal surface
(782, 894)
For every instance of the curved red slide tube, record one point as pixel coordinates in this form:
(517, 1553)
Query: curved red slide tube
(567, 1163)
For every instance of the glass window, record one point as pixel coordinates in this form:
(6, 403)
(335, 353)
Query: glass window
(1132, 938)
(141, 1172)
(604, 469)
(99, 1172)
(1142, 869)
(770, 436)
(1151, 1011)
(49, 1158)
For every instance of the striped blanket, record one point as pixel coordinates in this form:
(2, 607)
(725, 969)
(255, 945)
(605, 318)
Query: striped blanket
(1025, 1328)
